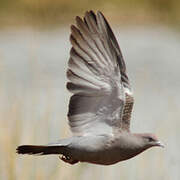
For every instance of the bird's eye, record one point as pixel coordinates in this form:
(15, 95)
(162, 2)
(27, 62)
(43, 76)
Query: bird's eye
(150, 139)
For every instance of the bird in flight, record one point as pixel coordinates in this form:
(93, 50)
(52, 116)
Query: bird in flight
(102, 101)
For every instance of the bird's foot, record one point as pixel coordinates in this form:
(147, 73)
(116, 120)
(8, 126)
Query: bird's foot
(67, 159)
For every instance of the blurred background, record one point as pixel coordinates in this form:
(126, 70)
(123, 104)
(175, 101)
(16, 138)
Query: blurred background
(34, 50)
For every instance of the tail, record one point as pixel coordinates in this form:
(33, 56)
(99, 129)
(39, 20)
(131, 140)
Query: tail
(41, 150)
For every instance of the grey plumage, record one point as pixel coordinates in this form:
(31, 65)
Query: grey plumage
(102, 101)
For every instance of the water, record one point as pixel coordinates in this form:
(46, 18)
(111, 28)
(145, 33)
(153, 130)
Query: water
(34, 102)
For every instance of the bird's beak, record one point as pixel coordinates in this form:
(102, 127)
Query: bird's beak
(158, 143)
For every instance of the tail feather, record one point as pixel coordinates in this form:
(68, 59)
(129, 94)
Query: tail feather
(40, 150)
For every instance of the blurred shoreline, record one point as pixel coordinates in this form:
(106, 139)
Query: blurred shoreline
(40, 14)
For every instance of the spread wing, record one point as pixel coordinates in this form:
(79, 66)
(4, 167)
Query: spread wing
(97, 78)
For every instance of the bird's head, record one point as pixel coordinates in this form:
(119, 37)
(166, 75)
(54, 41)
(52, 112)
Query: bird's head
(150, 140)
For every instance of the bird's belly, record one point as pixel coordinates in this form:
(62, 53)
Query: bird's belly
(105, 157)
(93, 150)
(99, 150)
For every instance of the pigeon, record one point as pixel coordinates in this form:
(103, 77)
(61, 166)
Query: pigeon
(101, 103)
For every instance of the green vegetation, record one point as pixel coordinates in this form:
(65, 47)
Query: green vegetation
(47, 12)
